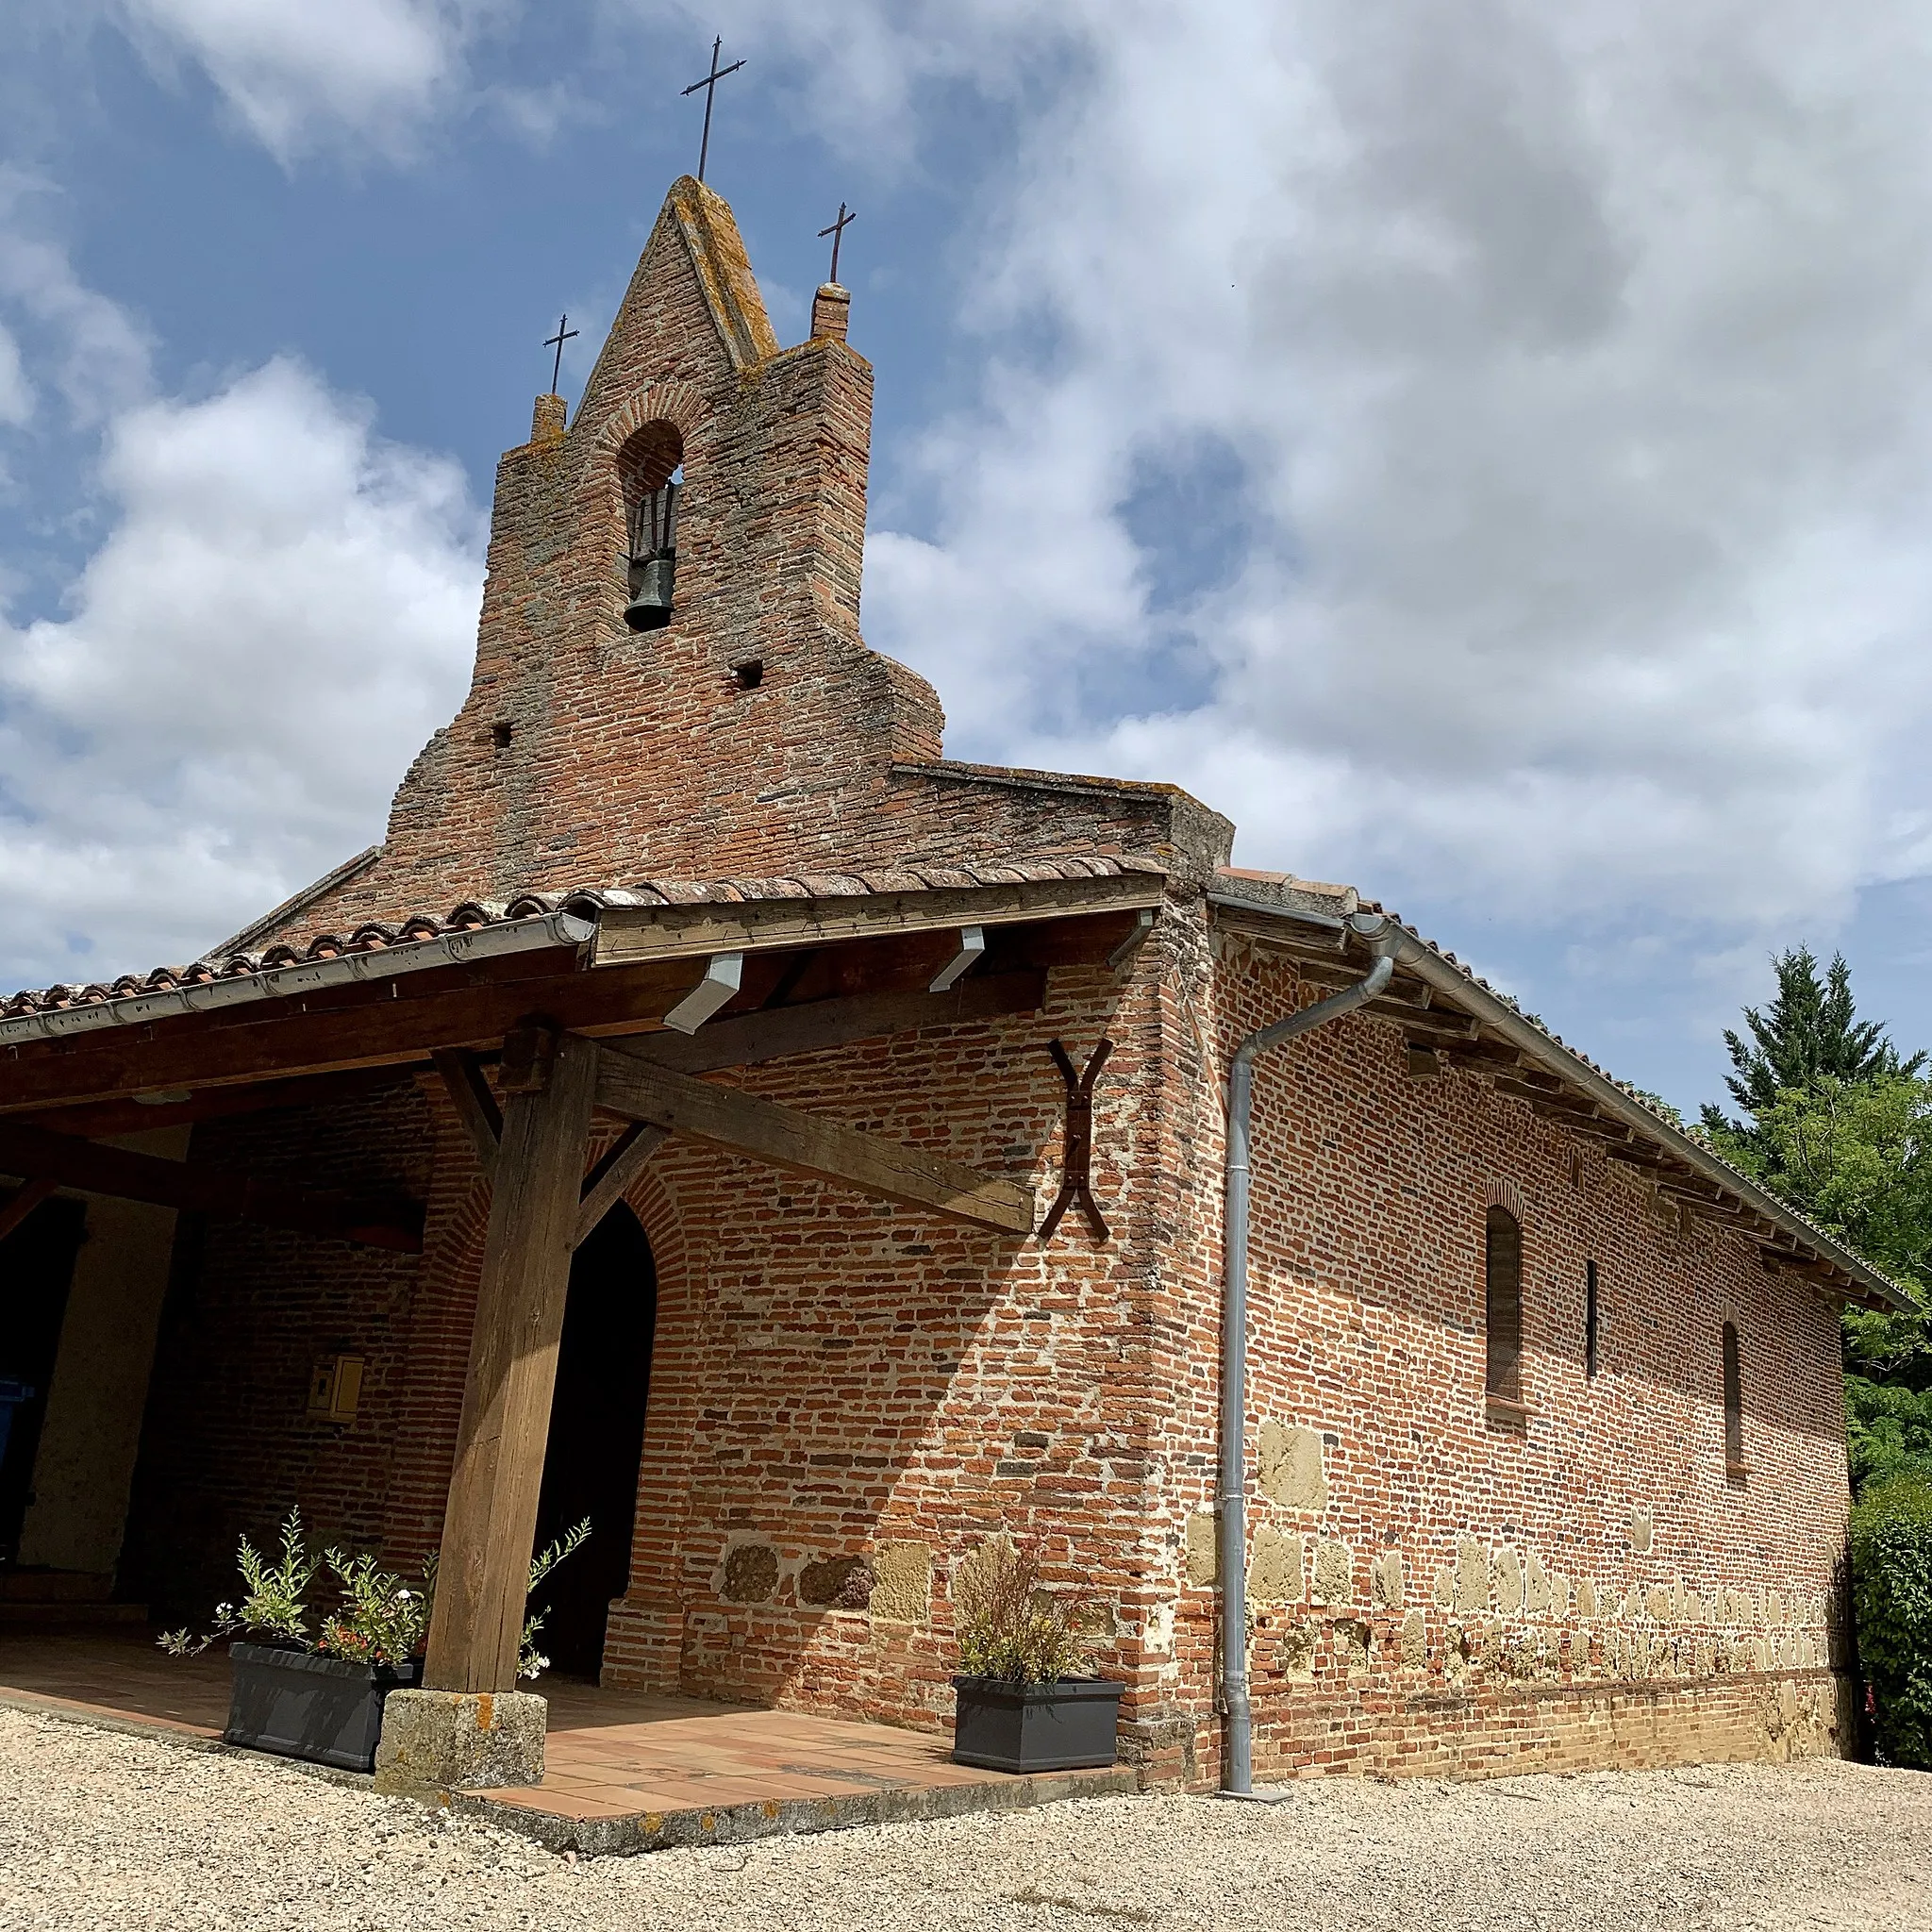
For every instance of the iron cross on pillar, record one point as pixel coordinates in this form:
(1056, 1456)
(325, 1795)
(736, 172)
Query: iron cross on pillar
(837, 231)
(709, 84)
(557, 342)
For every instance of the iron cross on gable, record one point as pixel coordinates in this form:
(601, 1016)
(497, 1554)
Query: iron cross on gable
(1076, 1181)
(709, 84)
(837, 231)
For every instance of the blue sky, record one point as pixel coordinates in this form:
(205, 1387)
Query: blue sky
(1487, 454)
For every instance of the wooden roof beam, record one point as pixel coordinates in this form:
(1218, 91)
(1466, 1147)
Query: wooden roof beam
(88, 1168)
(809, 1144)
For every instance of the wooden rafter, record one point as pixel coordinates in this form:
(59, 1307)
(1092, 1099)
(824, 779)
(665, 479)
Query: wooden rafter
(26, 1197)
(399, 1022)
(608, 1183)
(462, 1080)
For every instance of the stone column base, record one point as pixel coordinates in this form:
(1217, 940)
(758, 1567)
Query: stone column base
(457, 1740)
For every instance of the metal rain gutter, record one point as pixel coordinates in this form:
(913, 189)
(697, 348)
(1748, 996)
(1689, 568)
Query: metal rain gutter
(1472, 997)
(309, 975)
(1604, 1094)
(1238, 1769)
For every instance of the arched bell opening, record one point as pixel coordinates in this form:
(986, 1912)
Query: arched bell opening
(651, 476)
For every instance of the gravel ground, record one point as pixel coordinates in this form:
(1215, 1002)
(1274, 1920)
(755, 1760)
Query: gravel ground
(99, 1830)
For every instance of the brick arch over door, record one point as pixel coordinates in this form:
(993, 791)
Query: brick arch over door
(670, 1418)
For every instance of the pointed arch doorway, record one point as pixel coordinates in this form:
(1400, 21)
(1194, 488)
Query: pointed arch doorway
(591, 1456)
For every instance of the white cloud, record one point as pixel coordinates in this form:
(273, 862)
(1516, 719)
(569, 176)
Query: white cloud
(16, 392)
(297, 74)
(100, 354)
(284, 613)
(1561, 382)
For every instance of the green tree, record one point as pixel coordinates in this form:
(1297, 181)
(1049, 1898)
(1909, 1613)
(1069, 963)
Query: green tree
(1856, 1155)
(1809, 1033)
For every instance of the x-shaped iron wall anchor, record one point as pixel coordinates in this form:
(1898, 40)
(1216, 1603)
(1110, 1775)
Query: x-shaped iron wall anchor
(1076, 1183)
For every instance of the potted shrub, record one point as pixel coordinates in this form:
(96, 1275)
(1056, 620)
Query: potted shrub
(321, 1698)
(1027, 1697)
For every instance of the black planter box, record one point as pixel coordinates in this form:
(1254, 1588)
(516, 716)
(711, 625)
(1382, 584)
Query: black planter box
(1065, 1726)
(323, 1708)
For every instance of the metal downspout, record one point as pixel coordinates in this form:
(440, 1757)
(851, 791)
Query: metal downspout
(1238, 1768)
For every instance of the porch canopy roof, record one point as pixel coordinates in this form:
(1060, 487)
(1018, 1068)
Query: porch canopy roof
(675, 978)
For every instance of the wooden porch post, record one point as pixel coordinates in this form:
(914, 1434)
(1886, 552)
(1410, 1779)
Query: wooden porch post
(492, 1518)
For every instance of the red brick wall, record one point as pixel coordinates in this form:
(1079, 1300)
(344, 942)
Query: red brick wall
(227, 1443)
(1370, 1192)
(836, 1378)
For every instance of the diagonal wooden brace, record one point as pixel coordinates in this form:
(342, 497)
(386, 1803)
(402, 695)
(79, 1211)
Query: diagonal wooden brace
(1075, 1178)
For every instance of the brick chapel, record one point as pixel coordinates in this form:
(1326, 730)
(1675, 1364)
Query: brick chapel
(712, 1111)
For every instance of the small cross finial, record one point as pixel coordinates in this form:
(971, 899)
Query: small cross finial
(557, 342)
(837, 231)
(709, 84)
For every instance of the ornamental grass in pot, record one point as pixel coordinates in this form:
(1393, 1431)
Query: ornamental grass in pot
(1027, 1698)
(319, 1697)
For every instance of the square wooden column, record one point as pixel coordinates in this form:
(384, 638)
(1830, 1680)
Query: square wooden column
(490, 1522)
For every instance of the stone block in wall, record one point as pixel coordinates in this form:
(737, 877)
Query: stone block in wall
(1640, 1531)
(1334, 1577)
(1385, 1580)
(1295, 1655)
(1472, 1588)
(903, 1591)
(1203, 1548)
(1505, 1581)
(750, 1575)
(1412, 1643)
(1275, 1567)
(837, 1583)
(1536, 1586)
(1290, 1468)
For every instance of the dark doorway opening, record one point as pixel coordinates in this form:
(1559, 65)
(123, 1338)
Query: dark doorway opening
(597, 1437)
(36, 1270)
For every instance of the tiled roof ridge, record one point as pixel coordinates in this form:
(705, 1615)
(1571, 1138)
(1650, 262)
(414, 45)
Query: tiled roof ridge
(377, 935)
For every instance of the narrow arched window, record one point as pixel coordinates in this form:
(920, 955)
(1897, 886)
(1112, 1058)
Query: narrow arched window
(1734, 1402)
(1503, 1305)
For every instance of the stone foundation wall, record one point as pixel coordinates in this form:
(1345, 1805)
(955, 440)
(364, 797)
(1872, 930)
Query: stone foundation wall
(1507, 1731)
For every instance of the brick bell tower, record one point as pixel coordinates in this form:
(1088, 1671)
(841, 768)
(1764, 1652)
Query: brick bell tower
(749, 731)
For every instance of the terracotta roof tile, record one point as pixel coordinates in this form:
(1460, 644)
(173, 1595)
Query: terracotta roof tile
(584, 901)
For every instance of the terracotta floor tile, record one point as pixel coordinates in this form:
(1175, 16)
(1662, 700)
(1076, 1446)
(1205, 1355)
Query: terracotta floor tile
(610, 1753)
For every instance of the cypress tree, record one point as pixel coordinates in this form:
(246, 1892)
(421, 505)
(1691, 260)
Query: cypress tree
(1810, 1032)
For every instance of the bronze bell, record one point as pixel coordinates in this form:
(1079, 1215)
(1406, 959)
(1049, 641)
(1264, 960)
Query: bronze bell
(650, 591)
(653, 558)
